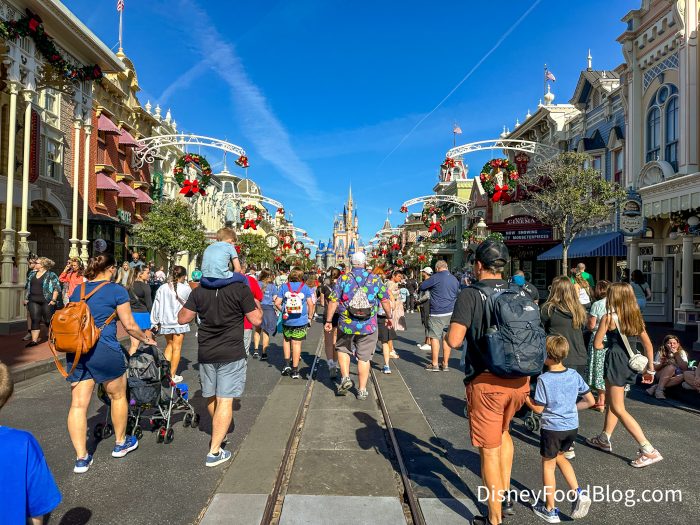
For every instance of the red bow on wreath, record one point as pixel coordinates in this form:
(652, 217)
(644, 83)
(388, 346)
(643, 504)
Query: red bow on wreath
(250, 223)
(435, 226)
(501, 194)
(403, 209)
(395, 247)
(242, 161)
(286, 246)
(191, 187)
(449, 163)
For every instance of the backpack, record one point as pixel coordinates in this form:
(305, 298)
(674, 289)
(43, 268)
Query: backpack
(359, 308)
(294, 301)
(72, 329)
(514, 342)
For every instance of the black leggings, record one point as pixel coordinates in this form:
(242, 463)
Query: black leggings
(40, 312)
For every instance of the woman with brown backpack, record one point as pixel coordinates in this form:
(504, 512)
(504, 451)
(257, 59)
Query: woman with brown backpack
(104, 363)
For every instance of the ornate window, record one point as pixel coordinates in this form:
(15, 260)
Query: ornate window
(618, 165)
(662, 126)
(53, 159)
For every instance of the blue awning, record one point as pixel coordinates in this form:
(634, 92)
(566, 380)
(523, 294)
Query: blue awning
(601, 245)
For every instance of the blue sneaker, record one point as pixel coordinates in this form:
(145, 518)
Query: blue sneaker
(82, 465)
(130, 443)
(386, 369)
(550, 516)
(217, 459)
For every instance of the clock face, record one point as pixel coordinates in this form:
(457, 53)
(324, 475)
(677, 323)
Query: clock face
(272, 241)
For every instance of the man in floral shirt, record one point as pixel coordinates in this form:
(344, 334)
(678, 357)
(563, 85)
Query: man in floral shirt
(353, 330)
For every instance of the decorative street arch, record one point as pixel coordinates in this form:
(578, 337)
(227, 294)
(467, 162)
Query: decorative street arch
(461, 204)
(242, 197)
(149, 146)
(540, 152)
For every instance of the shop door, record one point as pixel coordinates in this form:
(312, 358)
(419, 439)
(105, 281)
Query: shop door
(659, 274)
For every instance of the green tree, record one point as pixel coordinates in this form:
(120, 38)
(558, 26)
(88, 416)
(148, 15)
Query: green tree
(256, 250)
(565, 192)
(172, 227)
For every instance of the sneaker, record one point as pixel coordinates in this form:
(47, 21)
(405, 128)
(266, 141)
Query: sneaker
(659, 394)
(651, 390)
(82, 465)
(432, 368)
(362, 395)
(394, 355)
(27, 336)
(480, 520)
(444, 368)
(295, 373)
(217, 459)
(335, 372)
(644, 459)
(425, 347)
(31, 343)
(286, 370)
(130, 443)
(570, 454)
(345, 385)
(580, 506)
(386, 369)
(600, 443)
(263, 357)
(550, 516)
(177, 379)
(256, 355)
(507, 507)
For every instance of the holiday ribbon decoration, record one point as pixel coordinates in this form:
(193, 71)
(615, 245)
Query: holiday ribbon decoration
(404, 209)
(191, 187)
(32, 26)
(435, 226)
(399, 262)
(188, 186)
(448, 163)
(242, 161)
(280, 211)
(421, 258)
(501, 194)
(433, 217)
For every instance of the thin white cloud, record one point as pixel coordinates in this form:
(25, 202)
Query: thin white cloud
(184, 81)
(262, 127)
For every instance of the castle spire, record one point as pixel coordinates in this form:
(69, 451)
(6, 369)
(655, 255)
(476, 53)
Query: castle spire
(350, 196)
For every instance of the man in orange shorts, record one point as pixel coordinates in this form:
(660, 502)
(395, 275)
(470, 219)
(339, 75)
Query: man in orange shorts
(492, 400)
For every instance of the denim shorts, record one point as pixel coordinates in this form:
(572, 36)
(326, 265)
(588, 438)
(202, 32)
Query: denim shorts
(223, 379)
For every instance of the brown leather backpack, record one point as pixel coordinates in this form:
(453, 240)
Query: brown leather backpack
(72, 329)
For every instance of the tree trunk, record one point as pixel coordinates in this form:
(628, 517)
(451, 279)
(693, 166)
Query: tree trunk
(565, 259)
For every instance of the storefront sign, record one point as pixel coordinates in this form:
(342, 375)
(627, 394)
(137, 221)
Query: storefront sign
(632, 222)
(124, 216)
(544, 234)
(521, 219)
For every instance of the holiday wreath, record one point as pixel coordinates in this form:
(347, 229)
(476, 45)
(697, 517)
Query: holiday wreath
(433, 217)
(498, 188)
(192, 187)
(251, 216)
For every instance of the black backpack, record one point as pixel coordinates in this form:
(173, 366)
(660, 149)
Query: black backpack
(514, 342)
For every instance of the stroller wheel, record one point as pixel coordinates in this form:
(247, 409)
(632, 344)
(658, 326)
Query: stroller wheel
(187, 420)
(169, 436)
(161, 435)
(195, 421)
(530, 423)
(98, 431)
(107, 431)
(137, 432)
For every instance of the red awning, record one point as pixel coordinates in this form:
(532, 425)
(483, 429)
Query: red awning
(106, 125)
(126, 191)
(125, 139)
(105, 183)
(142, 197)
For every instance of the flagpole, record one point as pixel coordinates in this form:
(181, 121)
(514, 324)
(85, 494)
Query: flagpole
(544, 81)
(121, 12)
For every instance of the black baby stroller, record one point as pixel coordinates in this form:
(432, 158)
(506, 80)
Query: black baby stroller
(154, 396)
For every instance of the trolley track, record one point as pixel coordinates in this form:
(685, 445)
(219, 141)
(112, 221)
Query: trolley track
(275, 500)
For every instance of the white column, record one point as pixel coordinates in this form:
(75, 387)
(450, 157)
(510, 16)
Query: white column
(23, 250)
(74, 241)
(86, 191)
(633, 255)
(687, 274)
(8, 233)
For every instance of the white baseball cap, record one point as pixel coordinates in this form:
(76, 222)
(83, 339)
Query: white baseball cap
(427, 270)
(358, 259)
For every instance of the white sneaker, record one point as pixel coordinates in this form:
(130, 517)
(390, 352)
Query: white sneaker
(580, 506)
(27, 337)
(425, 347)
(177, 379)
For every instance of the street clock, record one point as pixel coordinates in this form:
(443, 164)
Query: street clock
(272, 241)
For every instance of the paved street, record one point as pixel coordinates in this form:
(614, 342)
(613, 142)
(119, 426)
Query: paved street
(171, 482)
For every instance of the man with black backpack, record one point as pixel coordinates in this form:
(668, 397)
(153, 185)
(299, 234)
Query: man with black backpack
(505, 346)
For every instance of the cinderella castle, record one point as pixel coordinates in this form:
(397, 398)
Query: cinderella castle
(345, 240)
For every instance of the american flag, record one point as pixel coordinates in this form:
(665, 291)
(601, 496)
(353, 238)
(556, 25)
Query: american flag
(456, 129)
(549, 76)
(120, 5)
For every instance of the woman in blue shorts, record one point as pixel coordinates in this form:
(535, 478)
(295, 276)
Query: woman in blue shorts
(105, 363)
(141, 302)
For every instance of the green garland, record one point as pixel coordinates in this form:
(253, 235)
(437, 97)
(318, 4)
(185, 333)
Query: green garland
(199, 160)
(33, 27)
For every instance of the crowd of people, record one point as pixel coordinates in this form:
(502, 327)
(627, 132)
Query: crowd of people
(592, 330)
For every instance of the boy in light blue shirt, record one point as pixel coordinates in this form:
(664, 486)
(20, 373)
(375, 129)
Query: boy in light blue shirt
(216, 261)
(556, 397)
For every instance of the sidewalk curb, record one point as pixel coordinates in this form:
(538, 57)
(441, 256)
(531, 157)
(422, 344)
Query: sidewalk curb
(28, 371)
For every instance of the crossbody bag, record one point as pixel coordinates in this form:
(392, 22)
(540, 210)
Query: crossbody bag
(637, 361)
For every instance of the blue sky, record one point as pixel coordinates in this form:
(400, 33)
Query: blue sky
(324, 93)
